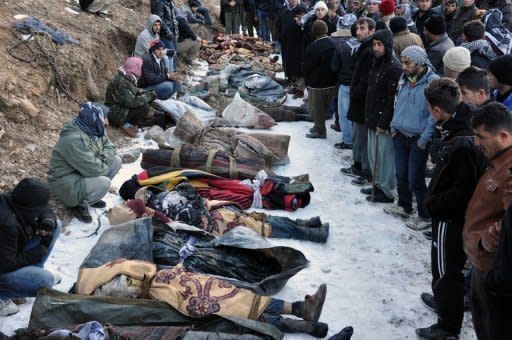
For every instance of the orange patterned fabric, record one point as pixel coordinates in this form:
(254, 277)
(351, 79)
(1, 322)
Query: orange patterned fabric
(198, 295)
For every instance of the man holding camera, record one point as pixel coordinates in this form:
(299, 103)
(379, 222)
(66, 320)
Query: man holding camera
(28, 231)
(155, 74)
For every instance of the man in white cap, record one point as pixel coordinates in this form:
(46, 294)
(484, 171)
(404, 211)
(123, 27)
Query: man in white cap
(456, 60)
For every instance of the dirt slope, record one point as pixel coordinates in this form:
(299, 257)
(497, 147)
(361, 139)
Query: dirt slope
(31, 111)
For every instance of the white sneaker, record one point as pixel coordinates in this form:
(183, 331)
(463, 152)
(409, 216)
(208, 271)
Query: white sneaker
(7, 307)
(397, 211)
(418, 223)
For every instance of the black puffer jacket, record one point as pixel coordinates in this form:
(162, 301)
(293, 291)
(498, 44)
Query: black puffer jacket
(14, 235)
(317, 63)
(460, 164)
(382, 83)
(359, 84)
(463, 15)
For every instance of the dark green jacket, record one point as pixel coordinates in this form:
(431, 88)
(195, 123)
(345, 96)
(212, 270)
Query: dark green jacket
(122, 96)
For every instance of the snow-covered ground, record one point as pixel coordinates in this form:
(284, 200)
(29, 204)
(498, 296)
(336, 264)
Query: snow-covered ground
(374, 267)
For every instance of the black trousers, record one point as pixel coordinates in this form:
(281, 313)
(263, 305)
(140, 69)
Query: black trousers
(136, 116)
(492, 315)
(448, 259)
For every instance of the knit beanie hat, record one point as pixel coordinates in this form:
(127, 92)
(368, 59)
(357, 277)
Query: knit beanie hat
(319, 28)
(29, 200)
(501, 69)
(457, 59)
(386, 7)
(320, 4)
(397, 24)
(31, 193)
(155, 45)
(435, 25)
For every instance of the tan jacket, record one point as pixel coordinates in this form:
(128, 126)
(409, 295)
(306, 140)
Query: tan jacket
(404, 39)
(487, 206)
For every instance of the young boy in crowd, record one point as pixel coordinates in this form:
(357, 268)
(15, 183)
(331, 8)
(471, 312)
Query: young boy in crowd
(474, 86)
(455, 177)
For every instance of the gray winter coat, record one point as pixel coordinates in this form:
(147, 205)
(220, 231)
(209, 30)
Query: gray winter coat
(436, 51)
(145, 37)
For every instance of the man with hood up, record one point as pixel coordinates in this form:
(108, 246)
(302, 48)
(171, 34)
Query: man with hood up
(150, 33)
(382, 83)
(28, 231)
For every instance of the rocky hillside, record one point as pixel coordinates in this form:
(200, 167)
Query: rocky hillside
(33, 99)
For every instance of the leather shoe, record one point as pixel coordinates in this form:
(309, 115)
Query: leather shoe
(342, 146)
(316, 134)
(380, 197)
(81, 212)
(130, 131)
(313, 304)
(366, 191)
(335, 127)
(100, 204)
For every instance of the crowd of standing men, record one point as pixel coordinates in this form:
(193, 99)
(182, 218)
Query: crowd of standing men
(408, 83)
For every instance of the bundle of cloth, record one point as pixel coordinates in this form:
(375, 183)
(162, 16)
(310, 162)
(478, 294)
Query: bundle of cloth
(239, 256)
(217, 162)
(184, 204)
(223, 47)
(196, 106)
(261, 90)
(272, 148)
(262, 192)
(241, 113)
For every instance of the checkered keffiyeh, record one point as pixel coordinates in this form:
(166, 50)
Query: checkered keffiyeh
(417, 54)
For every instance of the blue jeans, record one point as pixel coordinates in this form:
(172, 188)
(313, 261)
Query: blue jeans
(343, 103)
(410, 163)
(263, 25)
(283, 227)
(170, 45)
(26, 281)
(165, 89)
(272, 314)
(206, 14)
